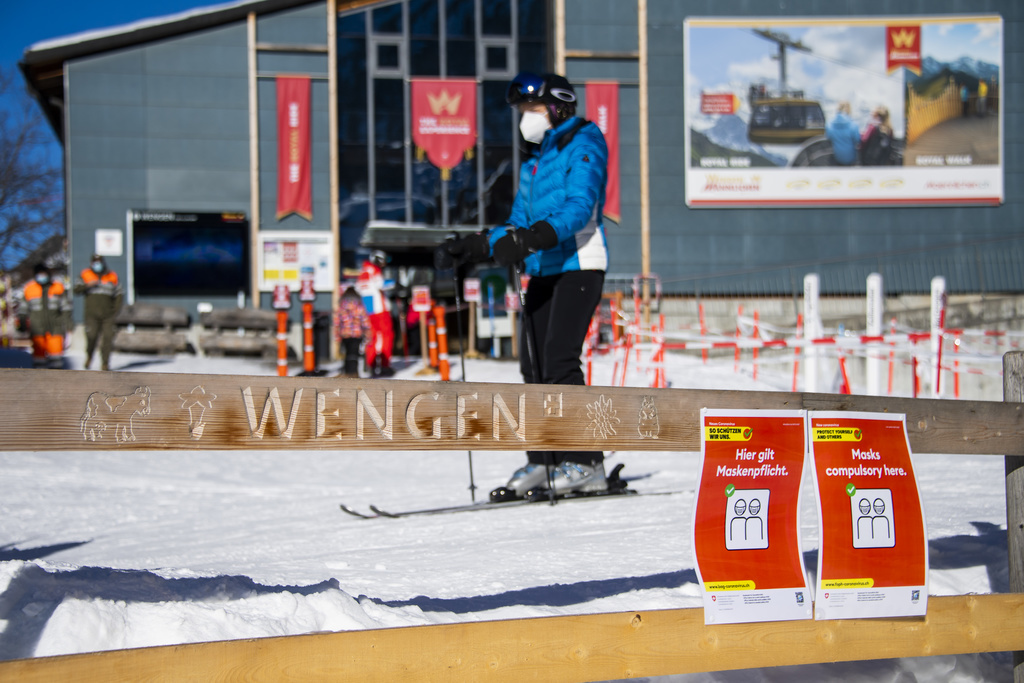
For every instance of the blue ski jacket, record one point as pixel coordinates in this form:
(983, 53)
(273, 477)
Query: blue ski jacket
(563, 183)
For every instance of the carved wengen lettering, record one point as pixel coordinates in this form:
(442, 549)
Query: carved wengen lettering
(461, 414)
(518, 425)
(273, 403)
(410, 418)
(322, 414)
(365, 407)
(384, 424)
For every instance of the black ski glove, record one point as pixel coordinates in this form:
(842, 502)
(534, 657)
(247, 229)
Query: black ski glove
(519, 243)
(469, 249)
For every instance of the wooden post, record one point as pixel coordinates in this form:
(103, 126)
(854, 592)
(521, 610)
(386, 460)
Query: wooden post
(1013, 390)
(645, 163)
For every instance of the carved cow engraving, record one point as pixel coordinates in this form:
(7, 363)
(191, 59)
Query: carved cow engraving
(104, 411)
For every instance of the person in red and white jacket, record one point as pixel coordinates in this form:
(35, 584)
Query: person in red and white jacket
(371, 287)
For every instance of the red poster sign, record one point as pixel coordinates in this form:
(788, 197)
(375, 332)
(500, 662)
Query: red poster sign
(444, 120)
(282, 298)
(294, 180)
(421, 298)
(603, 109)
(873, 558)
(719, 103)
(746, 534)
(471, 290)
(903, 48)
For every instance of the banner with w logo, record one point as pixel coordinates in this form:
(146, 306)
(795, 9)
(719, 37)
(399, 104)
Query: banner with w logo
(294, 181)
(444, 120)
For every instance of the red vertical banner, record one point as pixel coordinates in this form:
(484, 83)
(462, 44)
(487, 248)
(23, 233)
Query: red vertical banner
(603, 109)
(294, 176)
(444, 120)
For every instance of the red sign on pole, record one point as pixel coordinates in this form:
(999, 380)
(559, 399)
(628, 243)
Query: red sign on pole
(444, 120)
(746, 532)
(294, 178)
(306, 290)
(421, 298)
(471, 290)
(603, 109)
(282, 299)
(873, 558)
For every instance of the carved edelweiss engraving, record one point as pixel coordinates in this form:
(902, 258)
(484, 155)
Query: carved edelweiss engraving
(197, 401)
(602, 417)
(105, 411)
(647, 422)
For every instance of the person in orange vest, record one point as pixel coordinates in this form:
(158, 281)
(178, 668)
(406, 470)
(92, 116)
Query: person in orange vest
(103, 299)
(47, 315)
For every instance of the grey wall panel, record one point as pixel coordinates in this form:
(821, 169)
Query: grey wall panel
(172, 186)
(216, 155)
(101, 151)
(96, 120)
(197, 91)
(302, 25)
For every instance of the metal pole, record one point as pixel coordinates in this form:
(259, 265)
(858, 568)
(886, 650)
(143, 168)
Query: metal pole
(462, 361)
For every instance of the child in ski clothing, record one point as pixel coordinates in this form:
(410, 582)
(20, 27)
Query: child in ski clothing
(370, 286)
(352, 327)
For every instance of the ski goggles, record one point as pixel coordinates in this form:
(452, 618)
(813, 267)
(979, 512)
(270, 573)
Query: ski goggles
(529, 87)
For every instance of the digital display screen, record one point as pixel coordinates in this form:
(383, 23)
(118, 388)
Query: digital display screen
(190, 253)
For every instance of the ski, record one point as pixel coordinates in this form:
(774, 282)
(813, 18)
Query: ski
(377, 512)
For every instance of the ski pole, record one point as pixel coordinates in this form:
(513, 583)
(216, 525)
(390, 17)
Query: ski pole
(531, 352)
(462, 360)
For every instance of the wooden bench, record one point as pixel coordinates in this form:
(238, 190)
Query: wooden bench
(152, 328)
(239, 332)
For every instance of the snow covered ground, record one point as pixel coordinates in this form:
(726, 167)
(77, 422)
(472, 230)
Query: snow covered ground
(105, 550)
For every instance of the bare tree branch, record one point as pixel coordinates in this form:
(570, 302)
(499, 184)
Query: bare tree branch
(31, 185)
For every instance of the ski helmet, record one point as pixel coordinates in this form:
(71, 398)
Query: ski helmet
(378, 258)
(553, 90)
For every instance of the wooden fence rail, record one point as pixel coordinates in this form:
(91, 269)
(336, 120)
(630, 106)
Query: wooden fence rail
(81, 411)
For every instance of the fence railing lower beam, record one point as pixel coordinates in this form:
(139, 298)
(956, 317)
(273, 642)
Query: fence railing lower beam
(566, 648)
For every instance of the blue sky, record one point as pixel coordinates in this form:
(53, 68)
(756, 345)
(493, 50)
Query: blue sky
(23, 22)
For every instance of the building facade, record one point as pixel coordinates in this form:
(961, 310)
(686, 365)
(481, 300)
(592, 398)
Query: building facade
(171, 132)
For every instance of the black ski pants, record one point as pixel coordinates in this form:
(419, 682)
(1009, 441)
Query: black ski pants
(557, 315)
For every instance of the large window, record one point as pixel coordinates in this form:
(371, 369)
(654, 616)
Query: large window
(379, 49)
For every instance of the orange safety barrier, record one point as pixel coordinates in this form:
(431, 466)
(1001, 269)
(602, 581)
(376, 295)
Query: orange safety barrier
(432, 341)
(308, 358)
(282, 343)
(441, 332)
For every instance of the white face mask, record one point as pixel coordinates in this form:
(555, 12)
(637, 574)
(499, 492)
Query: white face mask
(533, 125)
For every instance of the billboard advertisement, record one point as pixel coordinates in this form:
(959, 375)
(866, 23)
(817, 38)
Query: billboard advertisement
(855, 111)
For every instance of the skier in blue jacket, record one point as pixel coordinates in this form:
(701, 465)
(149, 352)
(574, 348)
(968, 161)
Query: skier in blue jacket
(556, 231)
